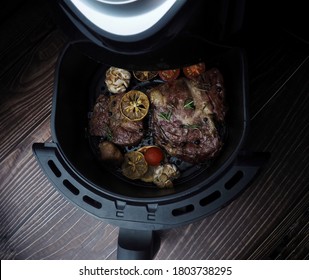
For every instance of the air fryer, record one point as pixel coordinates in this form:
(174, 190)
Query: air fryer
(69, 161)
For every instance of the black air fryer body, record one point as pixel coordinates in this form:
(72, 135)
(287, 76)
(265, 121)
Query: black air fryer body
(70, 163)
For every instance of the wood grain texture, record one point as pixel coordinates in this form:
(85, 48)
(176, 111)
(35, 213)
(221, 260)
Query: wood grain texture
(36, 221)
(268, 221)
(19, 33)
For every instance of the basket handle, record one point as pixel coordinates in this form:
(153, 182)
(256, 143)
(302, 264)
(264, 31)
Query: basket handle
(136, 244)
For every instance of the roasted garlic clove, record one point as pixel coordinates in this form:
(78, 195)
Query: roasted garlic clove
(117, 80)
(165, 174)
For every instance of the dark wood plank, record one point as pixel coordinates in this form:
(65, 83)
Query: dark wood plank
(36, 221)
(26, 26)
(271, 63)
(30, 86)
(290, 239)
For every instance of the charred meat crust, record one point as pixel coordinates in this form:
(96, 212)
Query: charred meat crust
(108, 122)
(185, 114)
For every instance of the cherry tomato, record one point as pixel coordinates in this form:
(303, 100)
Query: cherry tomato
(154, 156)
(169, 75)
(194, 71)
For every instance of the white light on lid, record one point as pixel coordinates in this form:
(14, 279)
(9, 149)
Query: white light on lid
(123, 19)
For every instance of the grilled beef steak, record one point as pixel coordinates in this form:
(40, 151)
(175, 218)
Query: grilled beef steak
(107, 121)
(185, 114)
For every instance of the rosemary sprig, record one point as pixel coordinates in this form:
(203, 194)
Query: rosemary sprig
(109, 135)
(189, 104)
(166, 116)
(191, 126)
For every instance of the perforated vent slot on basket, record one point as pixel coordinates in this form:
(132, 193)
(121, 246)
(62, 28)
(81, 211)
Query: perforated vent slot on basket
(183, 210)
(210, 198)
(234, 180)
(71, 187)
(54, 168)
(94, 203)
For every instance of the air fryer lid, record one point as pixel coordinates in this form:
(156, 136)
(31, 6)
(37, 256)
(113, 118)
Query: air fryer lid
(129, 26)
(140, 26)
(126, 21)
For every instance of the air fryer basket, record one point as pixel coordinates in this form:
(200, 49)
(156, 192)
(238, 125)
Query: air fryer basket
(73, 168)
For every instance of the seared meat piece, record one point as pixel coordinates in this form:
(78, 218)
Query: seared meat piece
(185, 114)
(98, 124)
(108, 121)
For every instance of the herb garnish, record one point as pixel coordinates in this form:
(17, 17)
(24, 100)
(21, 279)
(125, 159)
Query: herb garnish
(166, 116)
(109, 134)
(192, 126)
(189, 104)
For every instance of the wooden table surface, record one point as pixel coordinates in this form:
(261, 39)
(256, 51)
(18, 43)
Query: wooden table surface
(270, 220)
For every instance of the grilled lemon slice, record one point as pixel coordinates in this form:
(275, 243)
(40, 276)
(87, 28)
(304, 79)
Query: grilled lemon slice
(134, 105)
(144, 75)
(134, 165)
